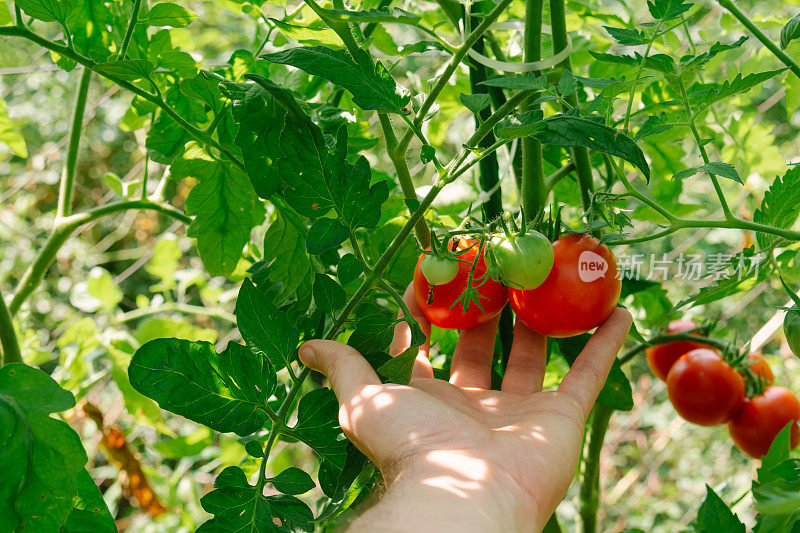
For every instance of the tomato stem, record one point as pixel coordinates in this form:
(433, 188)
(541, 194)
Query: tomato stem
(533, 186)
(590, 484)
(8, 337)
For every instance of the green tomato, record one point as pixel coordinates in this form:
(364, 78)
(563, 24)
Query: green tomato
(791, 328)
(439, 270)
(525, 262)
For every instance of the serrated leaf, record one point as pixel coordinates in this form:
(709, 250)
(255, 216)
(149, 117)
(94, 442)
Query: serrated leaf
(696, 61)
(738, 85)
(567, 84)
(398, 369)
(318, 426)
(685, 173)
(780, 206)
(266, 330)
(520, 83)
(349, 269)
(654, 125)
(427, 153)
(714, 516)
(46, 10)
(627, 36)
(126, 69)
(89, 513)
(570, 131)
(309, 35)
(292, 512)
(41, 457)
(723, 170)
(370, 84)
(520, 124)
(224, 205)
(285, 258)
(292, 481)
(226, 391)
(374, 327)
(381, 14)
(475, 102)
(10, 135)
(236, 505)
(667, 9)
(169, 14)
(324, 234)
(610, 58)
(329, 296)
(778, 451)
(790, 31)
(777, 498)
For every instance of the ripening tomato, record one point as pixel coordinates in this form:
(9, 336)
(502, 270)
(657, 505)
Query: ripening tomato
(762, 417)
(660, 358)
(580, 292)
(439, 302)
(704, 389)
(791, 328)
(760, 367)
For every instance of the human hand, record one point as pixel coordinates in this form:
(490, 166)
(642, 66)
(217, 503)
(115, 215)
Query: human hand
(457, 456)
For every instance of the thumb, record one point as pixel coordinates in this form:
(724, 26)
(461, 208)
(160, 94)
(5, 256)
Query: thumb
(345, 368)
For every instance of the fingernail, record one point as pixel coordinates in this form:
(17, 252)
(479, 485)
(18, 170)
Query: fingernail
(308, 357)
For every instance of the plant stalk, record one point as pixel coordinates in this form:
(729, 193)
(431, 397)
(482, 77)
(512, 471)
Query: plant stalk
(533, 185)
(67, 185)
(126, 41)
(761, 36)
(590, 484)
(8, 337)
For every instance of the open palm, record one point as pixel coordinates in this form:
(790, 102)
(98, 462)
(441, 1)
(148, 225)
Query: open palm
(521, 438)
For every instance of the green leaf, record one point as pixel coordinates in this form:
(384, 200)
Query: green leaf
(266, 330)
(318, 426)
(790, 31)
(10, 135)
(616, 392)
(285, 258)
(40, 457)
(520, 124)
(226, 391)
(126, 69)
(520, 83)
(777, 498)
(569, 131)
(292, 481)
(169, 14)
(381, 14)
(349, 268)
(164, 261)
(324, 234)
(309, 35)
(567, 84)
(292, 512)
(427, 153)
(627, 36)
(667, 9)
(696, 61)
(653, 125)
(738, 85)
(610, 58)
(90, 513)
(714, 516)
(370, 84)
(780, 206)
(723, 170)
(260, 120)
(328, 295)
(475, 102)
(778, 451)
(46, 10)
(374, 328)
(5, 15)
(224, 205)
(236, 505)
(398, 369)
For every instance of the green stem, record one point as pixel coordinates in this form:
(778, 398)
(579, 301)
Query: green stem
(723, 202)
(421, 229)
(455, 61)
(590, 484)
(174, 307)
(197, 133)
(126, 41)
(636, 78)
(663, 339)
(761, 36)
(580, 154)
(67, 185)
(552, 525)
(18, 16)
(8, 337)
(533, 185)
(64, 229)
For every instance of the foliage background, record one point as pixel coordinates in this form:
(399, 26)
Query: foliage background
(133, 277)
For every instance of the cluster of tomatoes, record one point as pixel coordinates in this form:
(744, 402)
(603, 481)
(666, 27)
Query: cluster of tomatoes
(706, 389)
(561, 289)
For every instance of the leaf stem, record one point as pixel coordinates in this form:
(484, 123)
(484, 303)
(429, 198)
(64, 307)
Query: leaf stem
(8, 337)
(174, 307)
(761, 36)
(672, 337)
(64, 229)
(590, 484)
(126, 41)
(67, 185)
(533, 186)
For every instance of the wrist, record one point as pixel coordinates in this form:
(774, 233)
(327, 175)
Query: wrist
(451, 491)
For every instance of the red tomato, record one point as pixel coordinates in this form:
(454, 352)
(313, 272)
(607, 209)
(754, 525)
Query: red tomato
(580, 292)
(436, 301)
(660, 358)
(704, 389)
(762, 417)
(760, 367)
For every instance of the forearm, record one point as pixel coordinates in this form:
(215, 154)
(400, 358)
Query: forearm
(443, 498)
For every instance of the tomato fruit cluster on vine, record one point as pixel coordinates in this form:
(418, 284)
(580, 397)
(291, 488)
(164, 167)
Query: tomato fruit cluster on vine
(710, 389)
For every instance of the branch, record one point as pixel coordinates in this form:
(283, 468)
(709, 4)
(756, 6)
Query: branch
(67, 185)
(8, 337)
(590, 484)
(533, 186)
(663, 339)
(174, 307)
(129, 31)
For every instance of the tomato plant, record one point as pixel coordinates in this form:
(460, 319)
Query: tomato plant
(443, 304)
(232, 179)
(580, 292)
(761, 417)
(704, 389)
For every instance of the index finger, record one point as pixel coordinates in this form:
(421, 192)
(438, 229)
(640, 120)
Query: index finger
(588, 373)
(401, 340)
